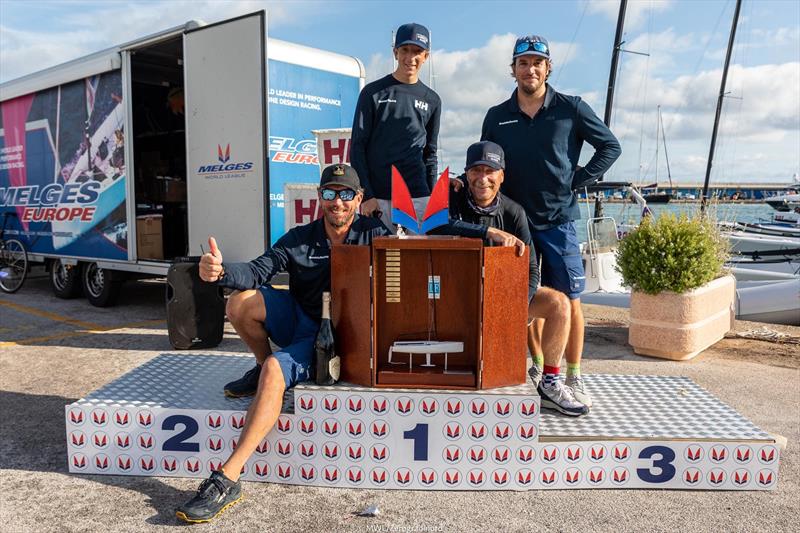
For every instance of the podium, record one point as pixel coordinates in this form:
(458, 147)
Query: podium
(439, 292)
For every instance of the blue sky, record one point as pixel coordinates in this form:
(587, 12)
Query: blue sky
(760, 135)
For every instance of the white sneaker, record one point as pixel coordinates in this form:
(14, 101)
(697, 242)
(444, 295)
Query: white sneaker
(560, 398)
(535, 372)
(579, 390)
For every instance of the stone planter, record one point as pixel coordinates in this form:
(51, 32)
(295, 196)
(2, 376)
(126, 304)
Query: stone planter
(680, 326)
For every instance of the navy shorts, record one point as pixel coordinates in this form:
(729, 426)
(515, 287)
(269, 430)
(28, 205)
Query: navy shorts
(562, 264)
(293, 331)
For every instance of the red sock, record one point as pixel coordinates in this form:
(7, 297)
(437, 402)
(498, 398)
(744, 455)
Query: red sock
(552, 369)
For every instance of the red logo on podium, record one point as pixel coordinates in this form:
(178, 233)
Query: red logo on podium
(330, 427)
(453, 407)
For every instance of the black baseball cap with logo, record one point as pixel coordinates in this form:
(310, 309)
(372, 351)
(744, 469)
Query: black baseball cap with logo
(413, 33)
(340, 174)
(486, 153)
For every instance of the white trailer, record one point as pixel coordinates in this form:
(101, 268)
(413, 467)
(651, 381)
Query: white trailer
(116, 164)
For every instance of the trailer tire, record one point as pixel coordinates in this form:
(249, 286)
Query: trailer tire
(101, 286)
(65, 280)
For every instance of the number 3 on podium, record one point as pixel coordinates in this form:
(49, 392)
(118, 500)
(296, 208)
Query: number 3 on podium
(666, 470)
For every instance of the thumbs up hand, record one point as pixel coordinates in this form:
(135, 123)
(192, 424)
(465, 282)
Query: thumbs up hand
(211, 262)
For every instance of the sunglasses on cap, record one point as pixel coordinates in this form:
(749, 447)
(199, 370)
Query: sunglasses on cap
(536, 46)
(330, 194)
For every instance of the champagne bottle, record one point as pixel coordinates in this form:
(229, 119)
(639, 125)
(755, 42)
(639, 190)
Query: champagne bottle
(327, 360)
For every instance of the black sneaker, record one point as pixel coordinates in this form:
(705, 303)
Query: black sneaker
(560, 398)
(215, 494)
(246, 385)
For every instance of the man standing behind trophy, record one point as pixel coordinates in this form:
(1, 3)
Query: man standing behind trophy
(542, 132)
(290, 319)
(482, 203)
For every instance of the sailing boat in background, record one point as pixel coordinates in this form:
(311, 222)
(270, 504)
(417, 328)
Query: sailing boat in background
(650, 192)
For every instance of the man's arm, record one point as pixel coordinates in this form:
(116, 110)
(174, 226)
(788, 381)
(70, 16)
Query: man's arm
(259, 271)
(431, 143)
(362, 129)
(607, 148)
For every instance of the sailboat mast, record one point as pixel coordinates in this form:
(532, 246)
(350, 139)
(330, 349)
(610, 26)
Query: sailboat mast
(658, 131)
(664, 138)
(612, 76)
(719, 103)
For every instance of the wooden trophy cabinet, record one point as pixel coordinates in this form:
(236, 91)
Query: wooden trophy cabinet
(430, 312)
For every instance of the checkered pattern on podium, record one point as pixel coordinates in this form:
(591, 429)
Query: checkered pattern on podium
(170, 418)
(651, 407)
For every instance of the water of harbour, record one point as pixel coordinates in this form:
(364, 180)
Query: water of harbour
(631, 213)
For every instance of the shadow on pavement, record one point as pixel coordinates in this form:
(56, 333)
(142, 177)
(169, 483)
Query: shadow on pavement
(609, 342)
(32, 432)
(33, 438)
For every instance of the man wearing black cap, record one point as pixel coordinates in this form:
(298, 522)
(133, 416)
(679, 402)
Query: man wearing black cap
(542, 132)
(290, 319)
(482, 203)
(397, 123)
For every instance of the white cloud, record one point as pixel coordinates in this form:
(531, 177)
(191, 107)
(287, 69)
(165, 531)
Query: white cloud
(761, 115)
(762, 38)
(23, 52)
(636, 13)
(469, 82)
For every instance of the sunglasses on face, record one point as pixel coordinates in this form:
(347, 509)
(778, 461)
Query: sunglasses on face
(346, 195)
(536, 46)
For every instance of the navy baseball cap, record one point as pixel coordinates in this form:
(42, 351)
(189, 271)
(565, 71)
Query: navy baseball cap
(531, 45)
(412, 33)
(340, 174)
(486, 153)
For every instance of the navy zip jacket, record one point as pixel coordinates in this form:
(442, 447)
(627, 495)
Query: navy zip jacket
(305, 253)
(509, 217)
(396, 124)
(542, 154)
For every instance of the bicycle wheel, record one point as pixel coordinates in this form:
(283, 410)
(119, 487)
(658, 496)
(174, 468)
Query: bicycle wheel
(13, 265)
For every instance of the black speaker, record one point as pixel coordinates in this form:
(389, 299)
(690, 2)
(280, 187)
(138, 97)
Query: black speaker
(195, 309)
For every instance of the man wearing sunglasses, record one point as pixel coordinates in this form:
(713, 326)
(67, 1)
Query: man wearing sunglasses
(290, 319)
(397, 123)
(542, 132)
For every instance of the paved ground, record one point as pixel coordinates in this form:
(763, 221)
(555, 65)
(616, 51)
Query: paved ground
(53, 352)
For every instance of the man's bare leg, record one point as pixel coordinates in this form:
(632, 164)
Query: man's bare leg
(261, 416)
(223, 489)
(247, 314)
(553, 307)
(574, 352)
(535, 343)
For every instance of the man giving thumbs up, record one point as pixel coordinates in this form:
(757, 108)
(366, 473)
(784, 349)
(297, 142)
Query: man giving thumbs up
(290, 319)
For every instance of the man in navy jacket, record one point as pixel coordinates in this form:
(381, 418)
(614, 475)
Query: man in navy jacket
(542, 132)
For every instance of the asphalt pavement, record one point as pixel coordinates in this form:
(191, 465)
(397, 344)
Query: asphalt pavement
(53, 352)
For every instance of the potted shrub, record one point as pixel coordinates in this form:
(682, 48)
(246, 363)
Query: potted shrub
(682, 301)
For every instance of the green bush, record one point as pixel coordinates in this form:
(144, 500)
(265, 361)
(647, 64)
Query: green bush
(672, 254)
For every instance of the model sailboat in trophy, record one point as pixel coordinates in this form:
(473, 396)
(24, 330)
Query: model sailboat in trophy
(436, 215)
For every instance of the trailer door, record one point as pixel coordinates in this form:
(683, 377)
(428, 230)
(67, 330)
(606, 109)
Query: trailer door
(226, 132)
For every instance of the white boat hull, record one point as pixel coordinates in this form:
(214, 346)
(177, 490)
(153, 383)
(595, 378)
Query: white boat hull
(746, 242)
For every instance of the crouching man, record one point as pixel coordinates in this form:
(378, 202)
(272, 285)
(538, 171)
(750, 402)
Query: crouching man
(482, 203)
(290, 319)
